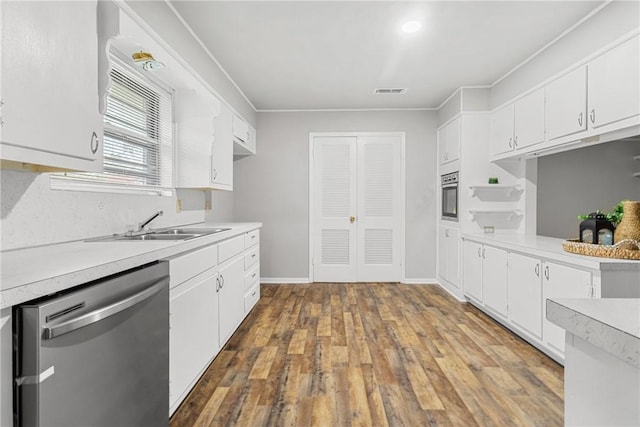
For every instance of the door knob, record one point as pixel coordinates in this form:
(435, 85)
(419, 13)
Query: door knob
(352, 219)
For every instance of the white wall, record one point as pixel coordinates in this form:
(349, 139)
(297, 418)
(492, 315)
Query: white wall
(581, 181)
(160, 17)
(273, 186)
(614, 21)
(33, 214)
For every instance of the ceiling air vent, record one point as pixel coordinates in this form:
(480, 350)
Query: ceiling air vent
(390, 91)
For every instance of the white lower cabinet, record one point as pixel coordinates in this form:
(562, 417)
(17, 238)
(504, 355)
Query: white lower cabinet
(513, 287)
(485, 275)
(472, 269)
(211, 293)
(560, 281)
(448, 255)
(494, 279)
(525, 293)
(193, 333)
(231, 295)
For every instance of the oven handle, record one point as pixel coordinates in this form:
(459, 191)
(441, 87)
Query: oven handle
(103, 312)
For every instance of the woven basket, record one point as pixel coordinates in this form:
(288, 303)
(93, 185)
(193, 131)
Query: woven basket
(626, 249)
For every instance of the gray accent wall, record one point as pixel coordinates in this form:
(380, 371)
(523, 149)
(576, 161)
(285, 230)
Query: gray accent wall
(581, 181)
(273, 186)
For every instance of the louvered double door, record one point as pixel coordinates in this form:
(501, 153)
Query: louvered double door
(358, 208)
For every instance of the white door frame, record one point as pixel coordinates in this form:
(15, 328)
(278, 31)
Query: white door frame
(403, 179)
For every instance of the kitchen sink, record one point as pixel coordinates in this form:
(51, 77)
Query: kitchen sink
(200, 231)
(157, 236)
(168, 234)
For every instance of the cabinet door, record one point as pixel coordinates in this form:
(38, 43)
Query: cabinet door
(443, 254)
(231, 297)
(222, 151)
(453, 140)
(472, 269)
(529, 120)
(494, 279)
(193, 333)
(195, 113)
(525, 293)
(614, 84)
(453, 244)
(561, 282)
(442, 145)
(50, 84)
(566, 104)
(502, 131)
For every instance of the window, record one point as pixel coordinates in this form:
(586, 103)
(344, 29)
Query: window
(137, 142)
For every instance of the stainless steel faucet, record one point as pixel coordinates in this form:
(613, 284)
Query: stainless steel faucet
(146, 222)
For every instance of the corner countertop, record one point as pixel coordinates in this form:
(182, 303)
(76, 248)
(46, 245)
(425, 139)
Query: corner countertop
(550, 247)
(38, 271)
(612, 324)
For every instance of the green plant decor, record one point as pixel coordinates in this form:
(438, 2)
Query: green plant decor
(615, 216)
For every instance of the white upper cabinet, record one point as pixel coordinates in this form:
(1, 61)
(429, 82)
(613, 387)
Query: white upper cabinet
(518, 125)
(222, 151)
(614, 85)
(529, 120)
(502, 130)
(49, 101)
(449, 142)
(244, 137)
(196, 111)
(566, 104)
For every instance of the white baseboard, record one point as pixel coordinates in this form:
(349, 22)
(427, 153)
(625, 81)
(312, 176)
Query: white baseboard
(450, 292)
(300, 280)
(419, 281)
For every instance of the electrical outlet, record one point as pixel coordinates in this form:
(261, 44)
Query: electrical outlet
(178, 206)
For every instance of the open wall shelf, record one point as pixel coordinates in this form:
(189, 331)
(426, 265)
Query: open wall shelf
(507, 190)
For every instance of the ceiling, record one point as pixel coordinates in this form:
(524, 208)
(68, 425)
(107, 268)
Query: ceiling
(310, 55)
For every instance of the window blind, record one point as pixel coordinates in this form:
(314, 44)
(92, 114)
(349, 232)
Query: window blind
(138, 136)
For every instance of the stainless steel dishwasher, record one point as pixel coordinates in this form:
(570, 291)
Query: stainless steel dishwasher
(96, 356)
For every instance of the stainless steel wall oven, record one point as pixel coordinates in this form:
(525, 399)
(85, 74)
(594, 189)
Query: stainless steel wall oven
(450, 196)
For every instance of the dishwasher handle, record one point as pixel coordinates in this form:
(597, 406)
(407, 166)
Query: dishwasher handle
(103, 312)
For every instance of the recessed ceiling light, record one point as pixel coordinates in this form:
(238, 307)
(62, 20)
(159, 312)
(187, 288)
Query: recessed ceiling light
(411, 27)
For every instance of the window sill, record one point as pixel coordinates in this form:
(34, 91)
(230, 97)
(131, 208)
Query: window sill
(58, 182)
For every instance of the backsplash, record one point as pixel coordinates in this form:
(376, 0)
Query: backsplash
(33, 214)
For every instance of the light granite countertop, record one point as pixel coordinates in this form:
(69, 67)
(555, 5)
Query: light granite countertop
(550, 247)
(34, 272)
(612, 324)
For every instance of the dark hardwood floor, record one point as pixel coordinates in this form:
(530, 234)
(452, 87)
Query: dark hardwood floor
(373, 354)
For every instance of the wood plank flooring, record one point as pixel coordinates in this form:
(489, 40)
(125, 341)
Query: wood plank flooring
(373, 354)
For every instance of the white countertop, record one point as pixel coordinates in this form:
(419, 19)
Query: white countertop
(34, 272)
(612, 324)
(550, 247)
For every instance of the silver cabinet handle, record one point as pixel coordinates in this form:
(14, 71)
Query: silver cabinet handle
(217, 284)
(537, 270)
(104, 312)
(546, 272)
(253, 294)
(95, 143)
(483, 253)
(479, 252)
(592, 115)
(515, 141)
(253, 275)
(511, 142)
(580, 119)
(446, 233)
(221, 281)
(253, 255)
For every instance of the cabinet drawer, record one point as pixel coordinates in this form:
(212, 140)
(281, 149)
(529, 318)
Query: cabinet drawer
(251, 257)
(186, 266)
(251, 297)
(251, 238)
(229, 248)
(252, 276)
